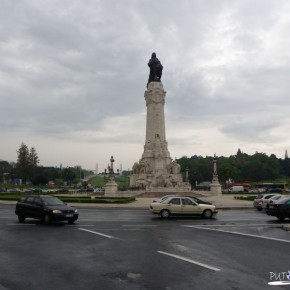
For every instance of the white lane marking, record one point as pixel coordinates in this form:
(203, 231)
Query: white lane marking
(77, 225)
(97, 233)
(242, 234)
(189, 260)
(279, 283)
(139, 226)
(236, 225)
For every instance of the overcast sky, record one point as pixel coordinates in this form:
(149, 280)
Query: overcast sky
(73, 76)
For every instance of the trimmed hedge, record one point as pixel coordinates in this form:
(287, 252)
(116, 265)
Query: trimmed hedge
(10, 197)
(250, 198)
(117, 200)
(84, 199)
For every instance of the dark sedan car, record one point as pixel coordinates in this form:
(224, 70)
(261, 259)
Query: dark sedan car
(281, 209)
(47, 208)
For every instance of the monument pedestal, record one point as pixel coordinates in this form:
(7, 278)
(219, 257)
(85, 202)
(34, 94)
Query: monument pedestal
(215, 189)
(111, 188)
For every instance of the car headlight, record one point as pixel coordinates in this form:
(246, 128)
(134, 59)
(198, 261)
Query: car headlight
(56, 211)
(76, 210)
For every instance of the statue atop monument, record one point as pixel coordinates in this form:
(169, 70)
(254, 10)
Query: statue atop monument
(155, 69)
(156, 172)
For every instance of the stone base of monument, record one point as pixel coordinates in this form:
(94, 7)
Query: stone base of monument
(215, 189)
(167, 190)
(111, 188)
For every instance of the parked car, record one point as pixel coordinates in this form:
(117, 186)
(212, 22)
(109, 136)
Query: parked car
(89, 190)
(63, 190)
(273, 199)
(255, 190)
(102, 190)
(281, 209)
(14, 190)
(36, 190)
(182, 205)
(257, 203)
(47, 208)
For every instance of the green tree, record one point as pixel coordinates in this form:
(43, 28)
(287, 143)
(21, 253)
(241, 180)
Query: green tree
(33, 163)
(27, 162)
(199, 168)
(5, 170)
(33, 158)
(22, 164)
(260, 167)
(70, 174)
(285, 166)
(226, 170)
(239, 167)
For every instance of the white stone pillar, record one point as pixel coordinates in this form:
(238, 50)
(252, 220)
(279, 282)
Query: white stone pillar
(215, 187)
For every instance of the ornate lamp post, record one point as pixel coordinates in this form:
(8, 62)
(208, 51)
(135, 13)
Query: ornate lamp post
(215, 186)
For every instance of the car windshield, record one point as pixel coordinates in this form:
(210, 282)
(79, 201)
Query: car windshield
(164, 198)
(268, 196)
(52, 201)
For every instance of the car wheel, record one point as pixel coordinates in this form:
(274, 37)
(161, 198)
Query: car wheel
(165, 213)
(280, 218)
(207, 214)
(21, 218)
(47, 219)
(71, 221)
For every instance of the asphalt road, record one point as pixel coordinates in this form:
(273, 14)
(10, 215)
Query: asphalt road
(132, 249)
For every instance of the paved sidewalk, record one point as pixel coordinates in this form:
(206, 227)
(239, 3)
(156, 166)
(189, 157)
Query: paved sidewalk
(221, 202)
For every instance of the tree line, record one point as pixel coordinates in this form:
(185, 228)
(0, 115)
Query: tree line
(240, 167)
(27, 170)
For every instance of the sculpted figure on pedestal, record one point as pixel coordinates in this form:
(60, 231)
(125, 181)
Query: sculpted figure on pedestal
(136, 168)
(155, 69)
(173, 168)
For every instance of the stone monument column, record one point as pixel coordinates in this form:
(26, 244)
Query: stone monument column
(155, 147)
(156, 171)
(155, 100)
